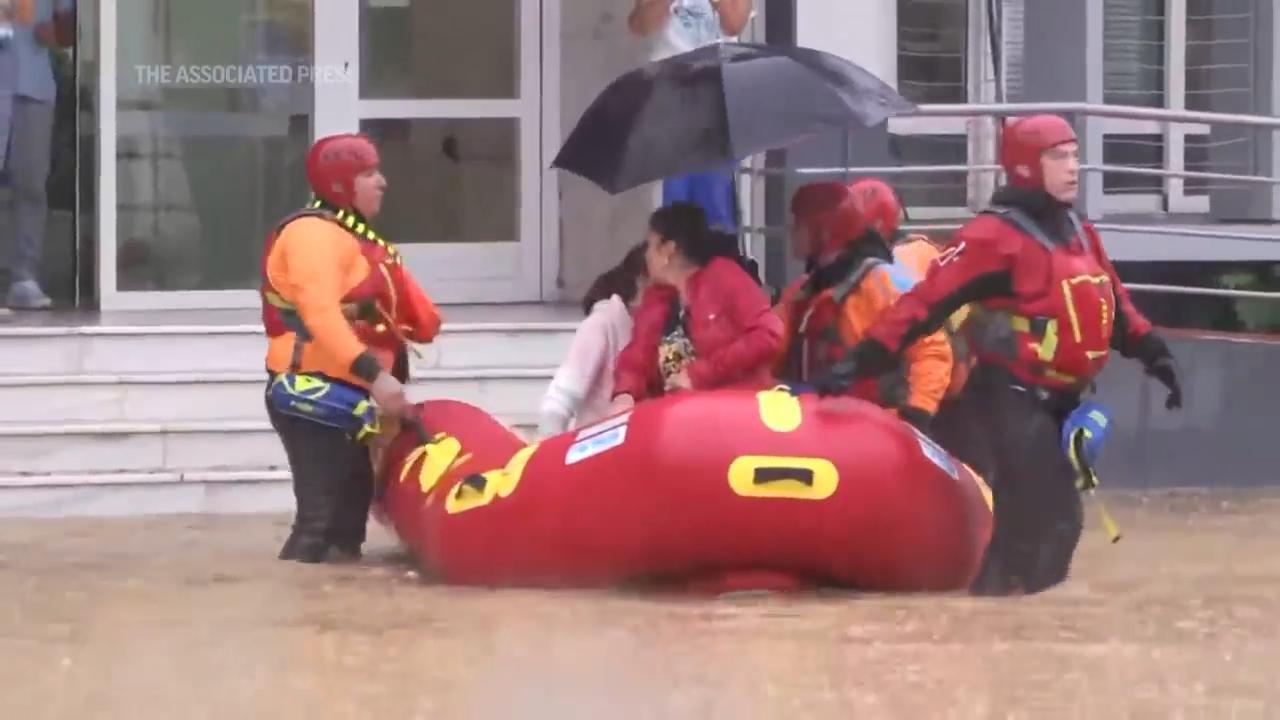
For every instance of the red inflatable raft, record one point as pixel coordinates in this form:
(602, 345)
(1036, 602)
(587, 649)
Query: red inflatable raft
(691, 488)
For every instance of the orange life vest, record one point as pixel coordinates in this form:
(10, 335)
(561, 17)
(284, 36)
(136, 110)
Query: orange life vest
(918, 254)
(369, 305)
(816, 342)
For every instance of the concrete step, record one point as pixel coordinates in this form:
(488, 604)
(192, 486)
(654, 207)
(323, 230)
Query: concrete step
(83, 448)
(132, 494)
(153, 477)
(80, 449)
(99, 493)
(48, 399)
(174, 349)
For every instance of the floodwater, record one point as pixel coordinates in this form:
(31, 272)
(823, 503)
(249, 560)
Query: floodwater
(192, 617)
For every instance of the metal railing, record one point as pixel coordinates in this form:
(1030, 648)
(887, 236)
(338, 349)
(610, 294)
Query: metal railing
(1126, 112)
(925, 169)
(1086, 110)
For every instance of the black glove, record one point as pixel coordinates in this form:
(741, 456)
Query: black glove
(868, 358)
(364, 312)
(915, 417)
(1163, 371)
(838, 379)
(1157, 361)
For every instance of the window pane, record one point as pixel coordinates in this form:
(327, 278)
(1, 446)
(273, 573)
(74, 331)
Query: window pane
(210, 150)
(1133, 52)
(931, 189)
(1219, 53)
(931, 50)
(1141, 151)
(449, 180)
(428, 49)
(1013, 26)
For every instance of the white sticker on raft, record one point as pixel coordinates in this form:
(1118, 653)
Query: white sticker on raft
(937, 455)
(596, 444)
(603, 425)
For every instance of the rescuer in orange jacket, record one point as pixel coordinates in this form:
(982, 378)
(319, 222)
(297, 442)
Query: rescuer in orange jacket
(338, 308)
(912, 251)
(1046, 310)
(844, 233)
(917, 254)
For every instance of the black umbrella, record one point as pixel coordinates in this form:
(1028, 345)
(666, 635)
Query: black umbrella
(711, 107)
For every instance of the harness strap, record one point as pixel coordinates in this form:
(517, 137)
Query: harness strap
(841, 291)
(362, 230)
(1020, 219)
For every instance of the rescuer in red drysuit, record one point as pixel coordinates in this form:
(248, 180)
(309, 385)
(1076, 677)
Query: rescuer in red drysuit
(1047, 307)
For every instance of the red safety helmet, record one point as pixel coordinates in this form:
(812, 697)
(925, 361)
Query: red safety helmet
(879, 205)
(333, 164)
(829, 214)
(1025, 140)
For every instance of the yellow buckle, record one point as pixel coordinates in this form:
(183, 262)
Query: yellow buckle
(1047, 346)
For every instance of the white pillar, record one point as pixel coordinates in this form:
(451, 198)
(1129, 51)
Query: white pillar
(861, 31)
(864, 32)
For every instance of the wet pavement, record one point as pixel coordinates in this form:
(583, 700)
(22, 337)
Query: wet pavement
(192, 617)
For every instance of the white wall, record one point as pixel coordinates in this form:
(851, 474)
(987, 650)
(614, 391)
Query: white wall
(861, 31)
(595, 227)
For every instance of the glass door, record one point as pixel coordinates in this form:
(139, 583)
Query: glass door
(451, 92)
(204, 119)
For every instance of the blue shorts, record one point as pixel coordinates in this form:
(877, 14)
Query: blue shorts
(715, 192)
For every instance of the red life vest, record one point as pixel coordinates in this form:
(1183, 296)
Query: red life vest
(1059, 334)
(817, 343)
(368, 305)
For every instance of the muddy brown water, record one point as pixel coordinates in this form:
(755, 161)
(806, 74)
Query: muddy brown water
(192, 617)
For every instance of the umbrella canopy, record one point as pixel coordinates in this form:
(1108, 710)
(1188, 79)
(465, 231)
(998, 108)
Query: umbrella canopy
(713, 106)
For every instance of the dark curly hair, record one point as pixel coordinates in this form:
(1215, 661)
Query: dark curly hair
(620, 280)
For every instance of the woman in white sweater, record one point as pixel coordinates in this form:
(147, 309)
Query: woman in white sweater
(580, 392)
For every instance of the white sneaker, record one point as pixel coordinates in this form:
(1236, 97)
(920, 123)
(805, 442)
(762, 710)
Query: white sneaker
(27, 295)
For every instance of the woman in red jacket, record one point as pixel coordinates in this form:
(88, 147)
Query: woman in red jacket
(703, 322)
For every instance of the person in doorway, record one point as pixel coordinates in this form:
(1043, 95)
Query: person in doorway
(582, 390)
(1046, 310)
(843, 233)
(672, 27)
(28, 92)
(338, 307)
(703, 322)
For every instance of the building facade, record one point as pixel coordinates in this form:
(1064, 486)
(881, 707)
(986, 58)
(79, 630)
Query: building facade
(194, 117)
